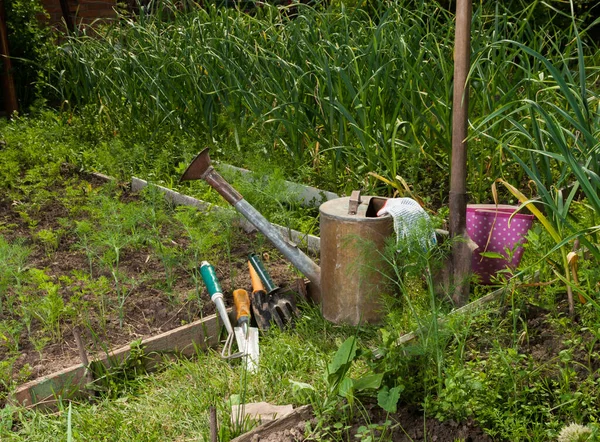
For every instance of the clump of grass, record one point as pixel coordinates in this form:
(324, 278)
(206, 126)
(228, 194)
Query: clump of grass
(343, 90)
(13, 263)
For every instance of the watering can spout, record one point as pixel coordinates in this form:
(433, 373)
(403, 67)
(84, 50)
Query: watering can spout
(201, 168)
(197, 168)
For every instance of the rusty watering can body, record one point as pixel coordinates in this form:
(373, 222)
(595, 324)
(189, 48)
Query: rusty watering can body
(353, 269)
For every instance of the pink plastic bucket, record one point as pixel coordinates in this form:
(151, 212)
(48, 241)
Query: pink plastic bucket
(481, 219)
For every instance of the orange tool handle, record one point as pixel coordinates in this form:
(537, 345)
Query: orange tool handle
(257, 285)
(242, 304)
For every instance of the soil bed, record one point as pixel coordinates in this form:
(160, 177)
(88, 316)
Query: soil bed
(406, 425)
(160, 295)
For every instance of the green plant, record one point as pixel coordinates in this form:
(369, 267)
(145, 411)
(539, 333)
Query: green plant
(84, 230)
(372, 432)
(39, 342)
(205, 235)
(13, 263)
(10, 333)
(119, 229)
(357, 105)
(560, 153)
(50, 309)
(29, 38)
(340, 384)
(49, 239)
(170, 256)
(114, 377)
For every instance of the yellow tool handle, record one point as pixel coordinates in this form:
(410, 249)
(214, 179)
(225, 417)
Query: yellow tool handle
(257, 285)
(242, 304)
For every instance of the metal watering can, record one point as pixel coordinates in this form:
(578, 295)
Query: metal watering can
(351, 237)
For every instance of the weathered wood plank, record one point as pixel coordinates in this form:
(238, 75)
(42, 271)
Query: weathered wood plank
(70, 382)
(311, 242)
(290, 421)
(308, 196)
(471, 307)
(42, 392)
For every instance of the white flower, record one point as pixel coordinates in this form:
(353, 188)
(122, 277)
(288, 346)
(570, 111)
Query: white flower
(574, 433)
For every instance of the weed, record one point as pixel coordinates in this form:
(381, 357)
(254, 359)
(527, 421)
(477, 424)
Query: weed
(169, 256)
(84, 230)
(50, 309)
(13, 263)
(114, 378)
(10, 334)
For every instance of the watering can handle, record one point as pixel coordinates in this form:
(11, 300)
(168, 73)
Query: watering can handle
(354, 202)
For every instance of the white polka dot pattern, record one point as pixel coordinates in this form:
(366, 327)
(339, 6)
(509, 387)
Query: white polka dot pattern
(483, 219)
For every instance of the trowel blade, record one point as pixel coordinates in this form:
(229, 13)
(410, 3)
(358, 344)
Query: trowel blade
(248, 345)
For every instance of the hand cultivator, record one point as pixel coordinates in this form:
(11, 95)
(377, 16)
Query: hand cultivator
(216, 295)
(271, 305)
(246, 336)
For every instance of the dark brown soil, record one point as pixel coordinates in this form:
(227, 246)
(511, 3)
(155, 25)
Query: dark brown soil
(406, 425)
(413, 426)
(149, 310)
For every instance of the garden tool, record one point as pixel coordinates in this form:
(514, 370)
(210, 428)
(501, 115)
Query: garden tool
(201, 168)
(272, 304)
(260, 301)
(246, 336)
(216, 295)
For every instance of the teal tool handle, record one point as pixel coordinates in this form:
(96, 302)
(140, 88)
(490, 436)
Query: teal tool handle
(216, 293)
(262, 272)
(210, 279)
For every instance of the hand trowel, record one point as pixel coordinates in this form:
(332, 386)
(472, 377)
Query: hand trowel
(245, 336)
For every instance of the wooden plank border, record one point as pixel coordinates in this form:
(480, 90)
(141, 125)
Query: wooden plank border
(290, 421)
(70, 383)
(308, 196)
(312, 243)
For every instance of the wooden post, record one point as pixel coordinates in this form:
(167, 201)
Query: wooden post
(83, 355)
(8, 84)
(66, 13)
(214, 431)
(461, 253)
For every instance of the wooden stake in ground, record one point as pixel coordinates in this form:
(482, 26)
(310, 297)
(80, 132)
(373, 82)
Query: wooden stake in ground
(214, 431)
(66, 13)
(461, 253)
(89, 377)
(8, 85)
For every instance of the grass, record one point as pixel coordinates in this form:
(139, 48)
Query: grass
(491, 365)
(85, 259)
(334, 93)
(174, 403)
(326, 97)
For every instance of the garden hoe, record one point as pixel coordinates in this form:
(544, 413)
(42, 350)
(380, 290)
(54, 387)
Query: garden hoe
(272, 304)
(246, 336)
(216, 295)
